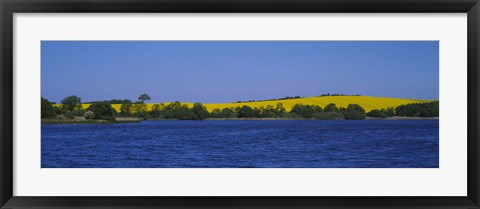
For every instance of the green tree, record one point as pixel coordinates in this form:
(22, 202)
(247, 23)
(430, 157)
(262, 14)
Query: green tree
(126, 108)
(140, 109)
(269, 112)
(47, 109)
(280, 109)
(102, 110)
(71, 103)
(179, 111)
(158, 106)
(185, 113)
(200, 111)
(330, 108)
(156, 111)
(429, 109)
(354, 112)
(216, 113)
(377, 114)
(170, 110)
(228, 113)
(316, 108)
(389, 111)
(258, 112)
(382, 113)
(305, 111)
(246, 112)
(142, 98)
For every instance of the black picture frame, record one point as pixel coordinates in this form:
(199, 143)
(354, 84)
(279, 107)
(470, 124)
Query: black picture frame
(9, 7)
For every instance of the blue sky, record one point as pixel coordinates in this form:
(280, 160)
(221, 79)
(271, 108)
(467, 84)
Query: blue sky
(228, 71)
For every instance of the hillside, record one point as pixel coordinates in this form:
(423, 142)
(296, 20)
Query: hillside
(367, 102)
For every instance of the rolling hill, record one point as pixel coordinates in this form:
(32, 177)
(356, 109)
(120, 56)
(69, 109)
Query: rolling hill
(367, 102)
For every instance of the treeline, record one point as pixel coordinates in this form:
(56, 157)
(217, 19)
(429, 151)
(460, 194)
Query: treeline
(294, 97)
(430, 109)
(98, 110)
(333, 95)
(177, 110)
(427, 109)
(102, 110)
(263, 100)
(72, 108)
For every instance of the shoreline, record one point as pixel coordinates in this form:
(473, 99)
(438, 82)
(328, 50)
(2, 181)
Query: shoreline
(367, 118)
(257, 119)
(85, 121)
(138, 120)
(403, 118)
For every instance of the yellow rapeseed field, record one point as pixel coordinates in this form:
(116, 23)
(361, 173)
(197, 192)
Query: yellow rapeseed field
(367, 102)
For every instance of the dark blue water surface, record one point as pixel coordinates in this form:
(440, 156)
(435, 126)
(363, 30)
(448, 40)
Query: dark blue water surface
(243, 144)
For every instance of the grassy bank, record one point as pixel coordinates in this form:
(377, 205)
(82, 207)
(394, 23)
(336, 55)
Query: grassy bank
(403, 118)
(367, 118)
(257, 119)
(81, 120)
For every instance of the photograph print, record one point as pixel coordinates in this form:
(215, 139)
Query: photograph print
(240, 104)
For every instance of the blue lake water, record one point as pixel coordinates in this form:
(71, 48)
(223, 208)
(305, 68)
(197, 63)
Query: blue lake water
(243, 144)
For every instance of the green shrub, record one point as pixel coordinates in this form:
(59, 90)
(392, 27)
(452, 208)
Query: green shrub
(328, 116)
(292, 115)
(377, 114)
(89, 115)
(75, 113)
(320, 116)
(336, 115)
